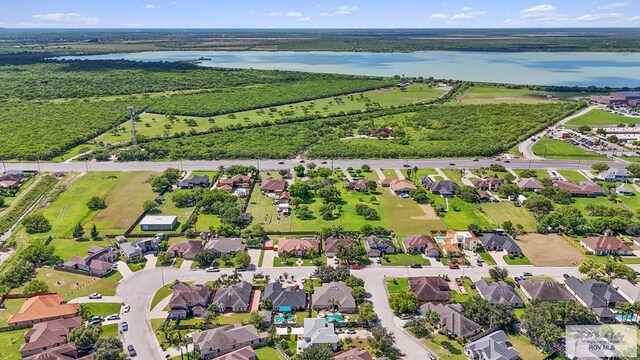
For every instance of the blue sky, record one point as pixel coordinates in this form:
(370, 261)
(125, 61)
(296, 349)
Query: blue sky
(317, 13)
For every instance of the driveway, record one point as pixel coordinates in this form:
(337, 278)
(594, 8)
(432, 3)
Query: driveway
(255, 256)
(267, 260)
(441, 174)
(123, 269)
(151, 261)
(498, 256)
(186, 265)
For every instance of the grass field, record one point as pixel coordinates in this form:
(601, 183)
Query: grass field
(540, 173)
(525, 348)
(488, 259)
(397, 285)
(268, 353)
(160, 294)
(600, 117)
(73, 285)
(445, 348)
(168, 207)
(109, 331)
(517, 260)
(462, 214)
(573, 175)
(12, 307)
(497, 95)
(103, 309)
(316, 222)
(404, 260)
(556, 149)
(264, 212)
(505, 211)
(421, 172)
(389, 173)
(11, 342)
(349, 218)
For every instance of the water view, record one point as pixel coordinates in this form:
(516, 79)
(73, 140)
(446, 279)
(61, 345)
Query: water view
(568, 69)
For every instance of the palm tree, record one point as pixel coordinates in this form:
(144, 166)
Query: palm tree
(84, 311)
(266, 304)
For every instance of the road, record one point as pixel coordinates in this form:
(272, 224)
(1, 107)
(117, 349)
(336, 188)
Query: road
(526, 146)
(138, 289)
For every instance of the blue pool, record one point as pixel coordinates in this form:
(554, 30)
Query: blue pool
(334, 318)
(627, 317)
(279, 319)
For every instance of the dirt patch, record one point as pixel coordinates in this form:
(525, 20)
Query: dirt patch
(549, 250)
(429, 213)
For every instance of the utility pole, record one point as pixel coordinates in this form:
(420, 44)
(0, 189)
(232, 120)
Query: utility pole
(134, 134)
(4, 167)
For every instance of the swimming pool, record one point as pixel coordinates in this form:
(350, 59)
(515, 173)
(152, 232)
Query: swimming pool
(627, 317)
(334, 317)
(279, 319)
(439, 239)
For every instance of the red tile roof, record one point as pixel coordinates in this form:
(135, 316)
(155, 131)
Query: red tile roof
(41, 307)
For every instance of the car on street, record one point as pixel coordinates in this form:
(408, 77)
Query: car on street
(406, 316)
(527, 274)
(452, 164)
(566, 276)
(113, 317)
(416, 266)
(212, 269)
(406, 165)
(339, 331)
(356, 267)
(323, 163)
(404, 324)
(241, 269)
(507, 161)
(124, 326)
(95, 296)
(351, 331)
(475, 159)
(454, 266)
(280, 162)
(126, 308)
(479, 263)
(301, 161)
(96, 318)
(131, 350)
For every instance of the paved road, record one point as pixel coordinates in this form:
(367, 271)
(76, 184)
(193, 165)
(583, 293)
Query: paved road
(139, 288)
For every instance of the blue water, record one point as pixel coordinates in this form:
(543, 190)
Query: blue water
(567, 69)
(334, 318)
(626, 317)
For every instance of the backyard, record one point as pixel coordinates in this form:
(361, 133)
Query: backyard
(505, 211)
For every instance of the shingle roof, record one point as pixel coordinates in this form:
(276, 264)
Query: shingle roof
(594, 293)
(604, 243)
(225, 245)
(419, 240)
(444, 187)
(246, 353)
(331, 244)
(189, 247)
(225, 336)
(184, 294)
(43, 307)
(236, 295)
(430, 288)
(62, 352)
(280, 296)
(453, 320)
(319, 331)
(49, 333)
(353, 354)
(273, 185)
(338, 291)
(492, 347)
(498, 293)
(397, 184)
(628, 288)
(295, 245)
(546, 290)
(529, 183)
(504, 241)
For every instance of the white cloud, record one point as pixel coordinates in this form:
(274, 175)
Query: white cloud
(615, 5)
(466, 8)
(439, 16)
(67, 18)
(599, 17)
(293, 14)
(467, 13)
(304, 19)
(537, 11)
(150, 6)
(635, 18)
(346, 9)
(285, 14)
(461, 16)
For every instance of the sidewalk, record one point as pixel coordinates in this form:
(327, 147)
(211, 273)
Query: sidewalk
(400, 174)
(441, 173)
(124, 270)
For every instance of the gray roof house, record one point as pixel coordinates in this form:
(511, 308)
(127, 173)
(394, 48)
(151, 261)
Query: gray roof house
(318, 331)
(376, 246)
(544, 291)
(324, 296)
(499, 242)
(444, 188)
(196, 180)
(222, 246)
(98, 262)
(599, 296)
(236, 298)
(491, 347)
(529, 184)
(630, 290)
(332, 244)
(615, 175)
(225, 339)
(138, 248)
(453, 320)
(189, 300)
(285, 299)
(499, 293)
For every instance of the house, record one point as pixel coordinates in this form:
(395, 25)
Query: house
(62, 352)
(332, 244)
(466, 240)
(195, 181)
(189, 300)
(444, 188)
(606, 245)
(360, 185)
(355, 354)
(449, 248)
(376, 246)
(498, 292)
(582, 189)
(285, 299)
(623, 190)
(529, 184)
(226, 339)
(334, 296)
(233, 298)
(500, 242)
(597, 295)
(385, 182)
(12, 175)
(47, 335)
(41, 308)
(628, 289)
(298, 247)
(494, 346)
(401, 187)
(544, 291)
(283, 198)
(488, 184)
(221, 246)
(433, 289)
(158, 223)
(185, 249)
(245, 353)
(98, 262)
(318, 331)
(615, 175)
(272, 186)
(421, 244)
(426, 181)
(138, 248)
(452, 320)
(8, 183)
(236, 181)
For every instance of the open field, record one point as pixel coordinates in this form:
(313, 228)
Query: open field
(599, 118)
(264, 212)
(540, 173)
(497, 95)
(168, 207)
(536, 247)
(11, 342)
(573, 175)
(631, 202)
(103, 309)
(73, 285)
(505, 211)
(557, 149)
(461, 214)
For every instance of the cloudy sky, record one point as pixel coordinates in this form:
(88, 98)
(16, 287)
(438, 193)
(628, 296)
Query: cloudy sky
(317, 14)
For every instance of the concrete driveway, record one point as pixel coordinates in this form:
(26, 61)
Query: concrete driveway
(186, 265)
(124, 270)
(267, 260)
(255, 256)
(151, 261)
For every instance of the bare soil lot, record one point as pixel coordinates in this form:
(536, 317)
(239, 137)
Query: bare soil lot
(549, 250)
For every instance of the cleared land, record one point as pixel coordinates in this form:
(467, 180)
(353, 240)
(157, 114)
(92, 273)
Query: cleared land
(73, 285)
(600, 117)
(537, 248)
(506, 211)
(497, 95)
(557, 149)
(573, 175)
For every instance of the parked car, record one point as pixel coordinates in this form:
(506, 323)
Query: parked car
(124, 326)
(126, 308)
(479, 263)
(406, 165)
(406, 316)
(416, 266)
(336, 260)
(379, 260)
(566, 276)
(96, 318)
(339, 331)
(113, 317)
(94, 322)
(212, 269)
(95, 296)
(351, 331)
(475, 159)
(404, 324)
(452, 164)
(356, 267)
(241, 269)
(280, 162)
(527, 274)
(132, 351)
(454, 266)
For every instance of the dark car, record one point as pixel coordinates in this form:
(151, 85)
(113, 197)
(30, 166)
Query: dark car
(240, 269)
(452, 164)
(528, 274)
(475, 159)
(507, 161)
(416, 266)
(566, 276)
(132, 351)
(302, 161)
(281, 162)
(406, 165)
(324, 162)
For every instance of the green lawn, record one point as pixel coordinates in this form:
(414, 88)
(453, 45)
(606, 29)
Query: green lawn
(517, 260)
(225, 319)
(498, 95)
(292, 262)
(264, 212)
(160, 294)
(631, 202)
(349, 218)
(421, 172)
(397, 285)
(134, 267)
(462, 214)
(505, 211)
(168, 207)
(600, 117)
(109, 331)
(488, 259)
(268, 353)
(445, 348)
(454, 175)
(11, 341)
(73, 285)
(206, 221)
(103, 309)
(261, 259)
(557, 149)
(12, 307)
(525, 348)
(68, 247)
(389, 173)
(404, 260)
(540, 174)
(573, 175)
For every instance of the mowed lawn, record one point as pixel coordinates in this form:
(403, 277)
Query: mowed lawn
(573, 175)
(506, 211)
(557, 149)
(103, 309)
(600, 117)
(461, 214)
(497, 95)
(168, 207)
(12, 307)
(11, 342)
(73, 285)
(349, 218)
(540, 173)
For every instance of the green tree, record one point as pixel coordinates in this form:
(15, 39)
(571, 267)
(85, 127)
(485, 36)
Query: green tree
(255, 319)
(381, 341)
(108, 349)
(204, 257)
(84, 337)
(84, 311)
(150, 206)
(498, 273)
(40, 254)
(36, 287)
(316, 352)
(299, 170)
(509, 190)
(497, 167)
(528, 173)
(300, 190)
(468, 194)
(328, 193)
(243, 259)
(327, 210)
(95, 234)
(538, 204)
(634, 169)
(96, 203)
(608, 271)
(78, 231)
(403, 302)
(359, 294)
(36, 223)
(303, 212)
(419, 195)
(600, 167)
(366, 312)
(365, 167)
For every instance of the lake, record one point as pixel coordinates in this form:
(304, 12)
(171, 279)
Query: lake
(536, 68)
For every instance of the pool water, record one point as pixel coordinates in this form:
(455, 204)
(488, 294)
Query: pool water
(334, 318)
(279, 319)
(627, 317)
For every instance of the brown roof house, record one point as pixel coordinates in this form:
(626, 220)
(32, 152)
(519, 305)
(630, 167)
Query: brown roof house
(360, 185)
(273, 186)
(402, 187)
(488, 184)
(606, 245)
(99, 262)
(298, 247)
(421, 244)
(334, 296)
(233, 298)
(355, 354)
(529, 184)
(41, 308)
(245, 353)
(185, 249)
(189, 300)
(385, 182)
(47, 335)
(332, 244)
(226, 339)
(238, 180)
(62, 352)
(544, 291)
(584, 188)
(376, 246)
(432, 289)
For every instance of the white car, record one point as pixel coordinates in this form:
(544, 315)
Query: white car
(126, 308)
(113, 317)
(212, 269)
(336, 260)
(95, 296)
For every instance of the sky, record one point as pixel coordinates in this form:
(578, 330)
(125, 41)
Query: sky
(317, 13)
